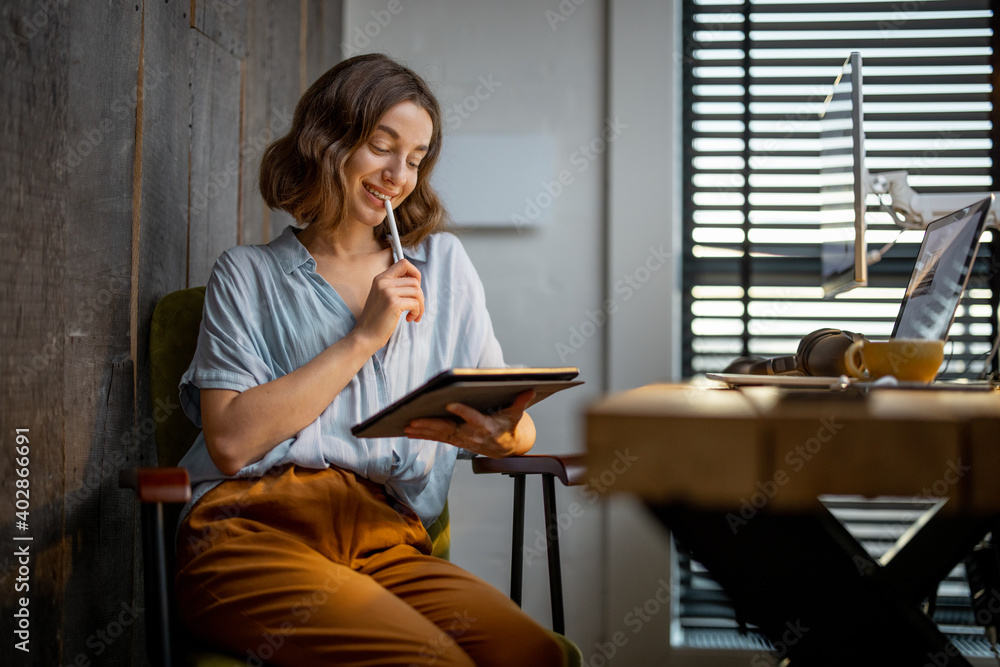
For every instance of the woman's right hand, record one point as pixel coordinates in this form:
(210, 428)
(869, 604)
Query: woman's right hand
(241, 427)
(393, 292)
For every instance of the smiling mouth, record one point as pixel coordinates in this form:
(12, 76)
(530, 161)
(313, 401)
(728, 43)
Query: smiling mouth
(377, 194)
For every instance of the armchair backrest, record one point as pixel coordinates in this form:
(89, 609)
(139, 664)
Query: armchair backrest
(173, 338)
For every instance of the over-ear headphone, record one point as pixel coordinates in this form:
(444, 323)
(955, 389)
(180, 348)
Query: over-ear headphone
(820, 353)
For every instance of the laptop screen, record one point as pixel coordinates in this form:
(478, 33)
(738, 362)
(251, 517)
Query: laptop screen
(940, 274)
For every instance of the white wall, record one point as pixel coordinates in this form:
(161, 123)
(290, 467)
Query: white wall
(644, 194)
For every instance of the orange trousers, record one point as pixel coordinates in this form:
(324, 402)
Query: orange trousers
(316, 567)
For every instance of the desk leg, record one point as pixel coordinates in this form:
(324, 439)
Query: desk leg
(807, 585)
(931, 553)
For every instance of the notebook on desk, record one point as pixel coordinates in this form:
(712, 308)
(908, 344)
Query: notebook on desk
(790, 381)
(940, 274)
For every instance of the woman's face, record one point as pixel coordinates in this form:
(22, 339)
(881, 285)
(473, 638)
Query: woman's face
(386, 166)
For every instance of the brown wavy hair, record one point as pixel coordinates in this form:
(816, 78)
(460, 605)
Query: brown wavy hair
(303, 172)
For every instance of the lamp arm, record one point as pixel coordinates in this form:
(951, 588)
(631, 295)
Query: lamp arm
(915, 210)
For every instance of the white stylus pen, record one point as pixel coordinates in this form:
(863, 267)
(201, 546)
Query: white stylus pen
(396, 245)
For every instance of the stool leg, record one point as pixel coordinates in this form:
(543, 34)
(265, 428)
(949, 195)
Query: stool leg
(517, 541)
(552, 548)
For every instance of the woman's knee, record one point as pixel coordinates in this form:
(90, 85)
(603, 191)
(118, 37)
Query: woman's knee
(531, 645)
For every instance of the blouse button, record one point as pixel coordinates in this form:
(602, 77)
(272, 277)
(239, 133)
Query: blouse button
(377, 366)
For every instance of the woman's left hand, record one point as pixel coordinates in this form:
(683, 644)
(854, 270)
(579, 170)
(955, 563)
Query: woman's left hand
(505, 433)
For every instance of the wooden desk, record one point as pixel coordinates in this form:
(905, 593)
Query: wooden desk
(712, 447)
(736, 474)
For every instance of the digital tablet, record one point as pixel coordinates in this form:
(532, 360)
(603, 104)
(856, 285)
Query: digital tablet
(485, 389)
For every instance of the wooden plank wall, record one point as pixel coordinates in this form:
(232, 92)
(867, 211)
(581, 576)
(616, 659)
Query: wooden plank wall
(130, 140)
(34, 94)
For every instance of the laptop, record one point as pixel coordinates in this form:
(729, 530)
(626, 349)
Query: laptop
(940, 275)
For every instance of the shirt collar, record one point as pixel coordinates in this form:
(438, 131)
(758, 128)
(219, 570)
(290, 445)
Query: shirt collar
(418, 254)
(291, 254)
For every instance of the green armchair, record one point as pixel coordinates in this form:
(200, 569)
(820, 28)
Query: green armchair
(163, 490)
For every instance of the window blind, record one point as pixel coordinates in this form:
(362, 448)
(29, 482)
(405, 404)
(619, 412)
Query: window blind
(755, 76)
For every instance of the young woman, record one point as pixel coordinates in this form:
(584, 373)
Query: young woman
(304, 545)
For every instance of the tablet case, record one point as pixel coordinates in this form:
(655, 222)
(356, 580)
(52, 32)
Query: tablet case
(485, 389)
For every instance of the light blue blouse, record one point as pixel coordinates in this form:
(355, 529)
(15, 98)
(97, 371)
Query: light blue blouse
(267, 312)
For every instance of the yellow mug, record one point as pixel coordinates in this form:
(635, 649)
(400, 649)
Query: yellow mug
(907, 360)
